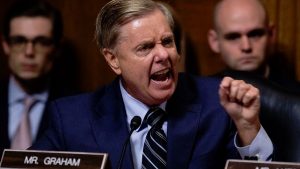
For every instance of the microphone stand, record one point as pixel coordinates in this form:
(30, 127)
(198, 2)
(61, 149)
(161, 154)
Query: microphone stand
(134, 124)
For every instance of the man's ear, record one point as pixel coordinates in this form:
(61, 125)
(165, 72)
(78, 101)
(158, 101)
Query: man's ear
(5, 47)
(112, 60)
(213, 40)
(272, 33)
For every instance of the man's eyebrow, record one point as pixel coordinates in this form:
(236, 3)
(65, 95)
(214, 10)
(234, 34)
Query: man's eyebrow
(259, 31)
(231, 35)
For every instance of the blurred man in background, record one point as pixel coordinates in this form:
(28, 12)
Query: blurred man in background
(243, 36)
(32, 31)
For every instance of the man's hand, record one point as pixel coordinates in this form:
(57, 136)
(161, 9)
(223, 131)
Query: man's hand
(242, 102)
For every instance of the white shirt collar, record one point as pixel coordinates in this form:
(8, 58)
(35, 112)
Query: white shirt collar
(133, 106)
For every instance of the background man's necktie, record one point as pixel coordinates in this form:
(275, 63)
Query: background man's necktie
(22, 138)
(155, 146)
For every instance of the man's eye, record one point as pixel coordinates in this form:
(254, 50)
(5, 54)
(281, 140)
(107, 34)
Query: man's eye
(168, 42)
(232, 36)
(44, 41)
(144, 49)
(257, 33)
(17, 40)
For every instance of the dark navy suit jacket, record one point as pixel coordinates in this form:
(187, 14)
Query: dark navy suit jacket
(54, 93)
(4, 115)
(200, 133)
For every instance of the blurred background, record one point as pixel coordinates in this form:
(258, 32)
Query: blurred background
(81, 59)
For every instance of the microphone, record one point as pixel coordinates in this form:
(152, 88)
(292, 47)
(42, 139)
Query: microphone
(134, 124)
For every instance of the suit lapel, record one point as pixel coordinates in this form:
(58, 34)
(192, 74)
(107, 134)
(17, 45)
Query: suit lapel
(183, 122)
(44, 121)
(110, 126)
(182, 132)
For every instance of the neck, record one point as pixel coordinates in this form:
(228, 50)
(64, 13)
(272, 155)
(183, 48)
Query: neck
(263, 71)
(33, 86)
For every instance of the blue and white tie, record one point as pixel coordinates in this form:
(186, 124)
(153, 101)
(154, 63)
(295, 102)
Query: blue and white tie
(155, 146)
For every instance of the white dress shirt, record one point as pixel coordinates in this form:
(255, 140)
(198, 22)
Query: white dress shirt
(261, 146)
(16, 96)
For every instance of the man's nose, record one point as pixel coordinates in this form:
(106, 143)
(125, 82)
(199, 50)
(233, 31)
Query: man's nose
(246, 44)
(161, 53)
(29, 48)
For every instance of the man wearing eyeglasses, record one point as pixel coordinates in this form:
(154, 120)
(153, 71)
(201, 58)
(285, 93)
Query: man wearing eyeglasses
(31, 33)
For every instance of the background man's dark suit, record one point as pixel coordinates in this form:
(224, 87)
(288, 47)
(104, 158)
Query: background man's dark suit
(54, 92)
(96, 122)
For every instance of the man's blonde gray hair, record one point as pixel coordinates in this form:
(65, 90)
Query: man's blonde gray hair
(116, 13)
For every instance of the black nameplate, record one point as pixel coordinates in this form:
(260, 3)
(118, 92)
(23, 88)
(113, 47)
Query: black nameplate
(250, 164)
(53, 159)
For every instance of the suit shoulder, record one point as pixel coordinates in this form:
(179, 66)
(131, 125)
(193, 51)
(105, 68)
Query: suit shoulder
(88, 101)
(198, 88)
(199, 82)
(83, 100)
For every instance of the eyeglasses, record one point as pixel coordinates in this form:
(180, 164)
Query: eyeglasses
(40, 43)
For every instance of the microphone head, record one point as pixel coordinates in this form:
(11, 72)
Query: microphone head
(135, 122)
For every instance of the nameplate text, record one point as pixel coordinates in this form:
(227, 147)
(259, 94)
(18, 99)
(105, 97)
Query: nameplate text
(53, 159)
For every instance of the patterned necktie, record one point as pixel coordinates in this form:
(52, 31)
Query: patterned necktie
(22, 138)
(155, 146)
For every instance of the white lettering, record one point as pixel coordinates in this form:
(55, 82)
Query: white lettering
(31, 160)
(62, 161)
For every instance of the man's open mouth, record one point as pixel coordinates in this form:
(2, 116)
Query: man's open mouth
(162, 75)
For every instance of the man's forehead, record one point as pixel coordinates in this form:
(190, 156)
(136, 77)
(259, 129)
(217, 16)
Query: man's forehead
(31, 26)
(242, 30)
(142, 28)
(242, 24)
(230, 12)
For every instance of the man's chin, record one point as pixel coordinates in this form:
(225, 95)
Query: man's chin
(28, 76)
(248, 68)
